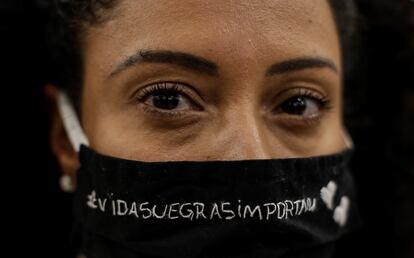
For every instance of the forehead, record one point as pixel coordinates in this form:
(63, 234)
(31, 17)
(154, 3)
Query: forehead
(251, 30)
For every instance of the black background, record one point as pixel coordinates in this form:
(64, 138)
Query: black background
(38, 215)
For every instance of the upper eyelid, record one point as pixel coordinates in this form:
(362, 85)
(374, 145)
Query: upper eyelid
(310, 94)
(180, 86)
(288, 93)
(145, 91)
(306, 90)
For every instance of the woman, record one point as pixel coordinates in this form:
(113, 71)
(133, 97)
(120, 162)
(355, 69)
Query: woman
(150, 93)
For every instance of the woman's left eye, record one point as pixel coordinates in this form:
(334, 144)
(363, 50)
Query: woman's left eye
(304, 106)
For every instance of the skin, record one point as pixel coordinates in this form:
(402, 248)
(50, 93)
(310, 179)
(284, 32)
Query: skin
(235, 115)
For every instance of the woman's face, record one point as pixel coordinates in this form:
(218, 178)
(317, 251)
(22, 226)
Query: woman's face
(213, 80)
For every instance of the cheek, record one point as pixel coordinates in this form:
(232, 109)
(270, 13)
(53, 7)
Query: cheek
(325, 139)
(128, 134)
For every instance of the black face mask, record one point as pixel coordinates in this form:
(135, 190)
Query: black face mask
(245, 208)
(293, 207)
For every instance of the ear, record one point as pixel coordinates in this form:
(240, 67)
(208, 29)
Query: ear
(61, 147)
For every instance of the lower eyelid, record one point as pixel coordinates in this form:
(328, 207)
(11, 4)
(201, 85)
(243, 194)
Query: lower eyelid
(298, 125)
(160, 113)
(160, 120)
(165, 114)
(298, 122)
(298, 117)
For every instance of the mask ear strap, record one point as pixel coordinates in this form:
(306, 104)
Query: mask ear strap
(70, 122)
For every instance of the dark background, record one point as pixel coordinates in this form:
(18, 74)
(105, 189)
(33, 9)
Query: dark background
(38, 214)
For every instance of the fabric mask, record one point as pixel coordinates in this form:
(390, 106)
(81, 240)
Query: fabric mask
(293, 207)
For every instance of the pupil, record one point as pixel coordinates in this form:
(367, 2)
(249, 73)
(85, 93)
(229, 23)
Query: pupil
(294, 106)
(166, 100)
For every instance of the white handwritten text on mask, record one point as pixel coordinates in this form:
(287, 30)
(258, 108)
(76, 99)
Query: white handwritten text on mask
(198, 210)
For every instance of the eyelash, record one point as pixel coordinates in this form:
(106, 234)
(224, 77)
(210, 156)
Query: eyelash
(158, 87)
(324, 102)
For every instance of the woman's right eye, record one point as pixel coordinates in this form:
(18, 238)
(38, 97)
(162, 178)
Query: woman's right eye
(168, 100)
(167, 97)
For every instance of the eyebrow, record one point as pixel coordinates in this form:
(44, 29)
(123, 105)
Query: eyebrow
(204, 66)
(301, 64)
(186, 60)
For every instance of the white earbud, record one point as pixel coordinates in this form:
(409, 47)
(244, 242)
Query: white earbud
(66, 184)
